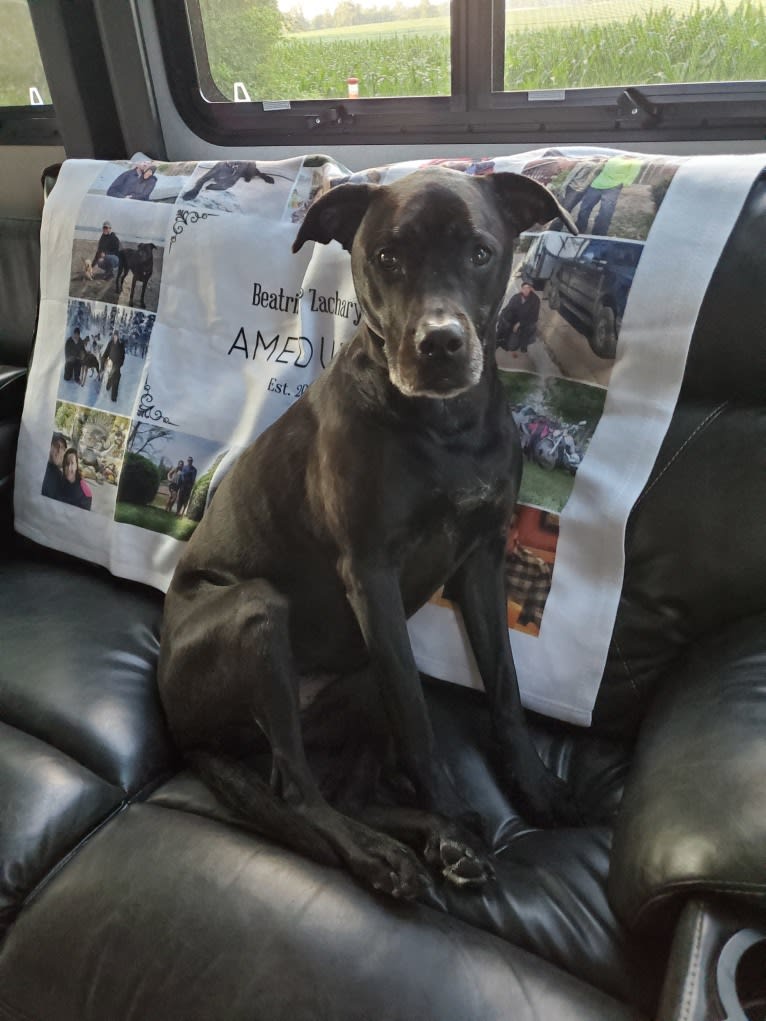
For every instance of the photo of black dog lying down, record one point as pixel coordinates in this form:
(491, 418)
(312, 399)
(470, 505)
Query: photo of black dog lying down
(397, 472)
(225, 175)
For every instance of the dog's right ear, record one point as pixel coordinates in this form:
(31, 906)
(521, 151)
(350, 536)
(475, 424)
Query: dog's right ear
(336, 215)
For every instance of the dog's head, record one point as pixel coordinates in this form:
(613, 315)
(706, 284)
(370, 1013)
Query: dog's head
(430, 257)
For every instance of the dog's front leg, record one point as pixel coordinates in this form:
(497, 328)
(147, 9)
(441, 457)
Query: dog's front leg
(478, 587)
(375, 597)
(436, 825)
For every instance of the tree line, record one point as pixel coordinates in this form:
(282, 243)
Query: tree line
(347, 14)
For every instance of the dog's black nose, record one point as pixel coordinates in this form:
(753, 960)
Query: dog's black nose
(443, 341)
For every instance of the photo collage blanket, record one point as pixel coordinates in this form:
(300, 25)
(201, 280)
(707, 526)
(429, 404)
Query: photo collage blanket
(176, 325)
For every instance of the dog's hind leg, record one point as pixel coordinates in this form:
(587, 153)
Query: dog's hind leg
(240, 788)
(229, 669)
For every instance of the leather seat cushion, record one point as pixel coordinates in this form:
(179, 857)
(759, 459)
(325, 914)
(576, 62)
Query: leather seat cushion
(169, 914)
(78, 677)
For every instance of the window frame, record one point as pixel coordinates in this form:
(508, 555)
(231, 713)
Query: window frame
(29, 125)
(474, 112)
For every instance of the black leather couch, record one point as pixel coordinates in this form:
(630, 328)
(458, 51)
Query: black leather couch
(125, 893)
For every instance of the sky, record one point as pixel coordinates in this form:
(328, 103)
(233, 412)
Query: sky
(311, 8)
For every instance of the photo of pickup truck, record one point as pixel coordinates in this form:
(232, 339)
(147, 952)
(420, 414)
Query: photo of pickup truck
(587, 279)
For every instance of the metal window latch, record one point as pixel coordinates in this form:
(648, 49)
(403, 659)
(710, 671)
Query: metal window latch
(336, 117)
(633, 102)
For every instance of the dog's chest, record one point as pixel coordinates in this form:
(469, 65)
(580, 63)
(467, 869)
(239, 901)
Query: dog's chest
(448, 526)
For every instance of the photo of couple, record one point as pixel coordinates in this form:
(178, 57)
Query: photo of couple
(85, 458)
(63, 479)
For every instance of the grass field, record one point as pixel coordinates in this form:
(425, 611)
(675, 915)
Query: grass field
(155, 519)
(708, 43)
(547, 489)
(557, 46)
(412, 26)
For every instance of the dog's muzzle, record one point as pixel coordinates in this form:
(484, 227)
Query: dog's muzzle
(442, 359)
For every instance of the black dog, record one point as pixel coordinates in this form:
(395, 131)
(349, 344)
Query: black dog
(138, 261)
(223, 175)
(395, 473)
(89, 362)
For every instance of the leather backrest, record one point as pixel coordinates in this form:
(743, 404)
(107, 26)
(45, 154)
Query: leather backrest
(696, 539)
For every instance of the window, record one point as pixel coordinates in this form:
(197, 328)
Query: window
(643, 42)
(26, 114)
(326, 49)
(22, 78)
(526, 71)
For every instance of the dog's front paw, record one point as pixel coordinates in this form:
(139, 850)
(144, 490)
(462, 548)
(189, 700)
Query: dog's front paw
(385, 864)
(458, 855)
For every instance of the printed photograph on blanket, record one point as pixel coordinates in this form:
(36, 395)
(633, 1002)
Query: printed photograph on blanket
(103, 355)
(316, 176)
(112, 261)
(143, 180)
(569, 292)
(616, 194)
(86, 454)
(530, 555)
(556, 419)
(166, 480)
(243, 186)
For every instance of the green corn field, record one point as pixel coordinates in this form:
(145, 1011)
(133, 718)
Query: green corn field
(707, 43)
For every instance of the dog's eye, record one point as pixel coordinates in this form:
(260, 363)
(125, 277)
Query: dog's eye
(388, 260)
(481, 255)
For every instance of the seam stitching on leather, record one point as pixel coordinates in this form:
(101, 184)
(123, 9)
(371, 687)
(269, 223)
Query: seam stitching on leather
(631, 679)
(72, 853)
(756, 890)
(85, 839)
(689, 439)
(691, 978)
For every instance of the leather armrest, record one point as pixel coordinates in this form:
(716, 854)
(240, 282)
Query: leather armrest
(693, 817)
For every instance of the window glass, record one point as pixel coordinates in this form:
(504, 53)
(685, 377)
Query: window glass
(22, 79)
(325, 49)
(555, 44)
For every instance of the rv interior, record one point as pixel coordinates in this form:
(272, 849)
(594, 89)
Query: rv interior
(157, 160)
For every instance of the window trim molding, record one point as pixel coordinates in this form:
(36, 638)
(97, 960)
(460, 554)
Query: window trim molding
(692, 112)
(29, 125)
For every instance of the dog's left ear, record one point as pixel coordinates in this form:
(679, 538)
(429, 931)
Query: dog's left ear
(526, 202)
(336, 215)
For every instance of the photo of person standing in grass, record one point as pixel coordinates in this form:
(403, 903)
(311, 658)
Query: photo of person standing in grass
(166, 479)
